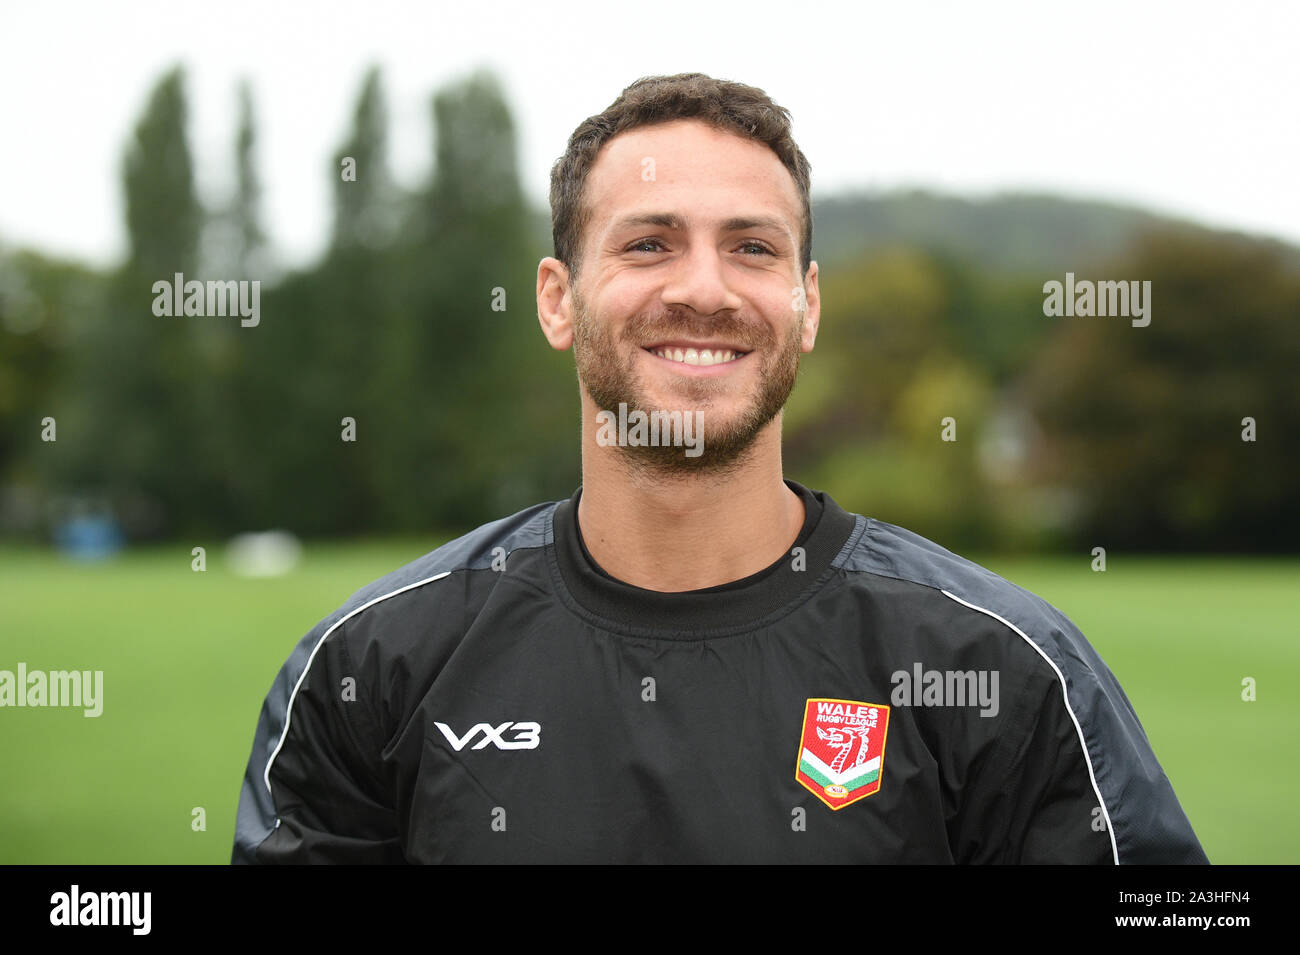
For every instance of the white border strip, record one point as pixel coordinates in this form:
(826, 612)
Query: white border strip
(288, 713)
(1083, 743)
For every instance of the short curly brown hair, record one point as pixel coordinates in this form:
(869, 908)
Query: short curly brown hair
(734, 107)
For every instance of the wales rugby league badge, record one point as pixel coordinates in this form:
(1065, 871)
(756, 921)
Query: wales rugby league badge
(842, 752)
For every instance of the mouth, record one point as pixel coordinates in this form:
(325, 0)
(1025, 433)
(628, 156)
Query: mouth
(698, 354)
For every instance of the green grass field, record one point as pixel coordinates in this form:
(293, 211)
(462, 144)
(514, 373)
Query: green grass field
(188, 657)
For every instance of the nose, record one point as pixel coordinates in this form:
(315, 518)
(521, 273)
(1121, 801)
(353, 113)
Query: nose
(698, 281)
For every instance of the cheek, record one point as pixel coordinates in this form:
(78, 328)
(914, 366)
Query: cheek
(615, 314)
(629, 291)
(793, 303)
(777, 298)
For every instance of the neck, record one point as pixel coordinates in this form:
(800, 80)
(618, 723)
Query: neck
(674, 532)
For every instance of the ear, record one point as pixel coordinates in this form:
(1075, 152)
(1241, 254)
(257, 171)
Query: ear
(554, 303)
(812, 319)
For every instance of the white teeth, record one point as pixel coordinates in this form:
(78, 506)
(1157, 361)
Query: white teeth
(691, 356)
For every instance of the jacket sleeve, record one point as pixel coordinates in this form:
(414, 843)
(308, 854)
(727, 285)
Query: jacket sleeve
(1073, 778)
(314, 790)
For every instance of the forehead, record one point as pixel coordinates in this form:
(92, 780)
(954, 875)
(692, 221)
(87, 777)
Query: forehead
(692, 169)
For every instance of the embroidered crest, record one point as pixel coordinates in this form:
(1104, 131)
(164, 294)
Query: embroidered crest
(842, 752)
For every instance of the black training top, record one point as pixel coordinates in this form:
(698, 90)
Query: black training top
(870, 697)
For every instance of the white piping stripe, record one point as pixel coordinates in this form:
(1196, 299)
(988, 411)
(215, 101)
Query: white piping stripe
(288, 713)
(1083, 743)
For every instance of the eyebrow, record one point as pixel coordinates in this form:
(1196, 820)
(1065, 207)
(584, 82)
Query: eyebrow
(669, 220)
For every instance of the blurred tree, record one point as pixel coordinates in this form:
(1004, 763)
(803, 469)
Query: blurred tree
(458, 419)
(867, 420)
(234, 243)
(364, 193)
(881, 316)
(1145, 424)
(248, 191)
(234, 415)
(314, 362)
(163, 215)
(44, 304)
(137, 394)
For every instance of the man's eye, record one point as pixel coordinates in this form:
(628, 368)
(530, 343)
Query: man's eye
(762, 249)
(640, 242)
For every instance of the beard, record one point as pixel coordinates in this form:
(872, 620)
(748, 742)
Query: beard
(606, 371)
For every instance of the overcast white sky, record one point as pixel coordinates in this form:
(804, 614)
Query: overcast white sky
(1190, 108)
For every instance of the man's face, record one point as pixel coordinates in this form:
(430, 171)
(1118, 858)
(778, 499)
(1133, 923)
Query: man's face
(687, 296)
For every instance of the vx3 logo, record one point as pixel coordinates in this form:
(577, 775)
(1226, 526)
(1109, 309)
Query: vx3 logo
(525, 735)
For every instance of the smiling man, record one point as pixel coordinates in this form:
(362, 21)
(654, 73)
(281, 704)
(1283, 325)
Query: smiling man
(680, 297)
(694, 659)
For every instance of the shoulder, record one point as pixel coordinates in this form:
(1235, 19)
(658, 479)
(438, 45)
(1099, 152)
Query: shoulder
(482, 549)
(435, 590)
(968, 612)
(1142, 815)
(886, 550)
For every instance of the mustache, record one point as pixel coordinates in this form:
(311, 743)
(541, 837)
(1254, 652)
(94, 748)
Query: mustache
(647, 329)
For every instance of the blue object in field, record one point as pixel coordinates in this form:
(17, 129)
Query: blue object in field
(89, 538)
